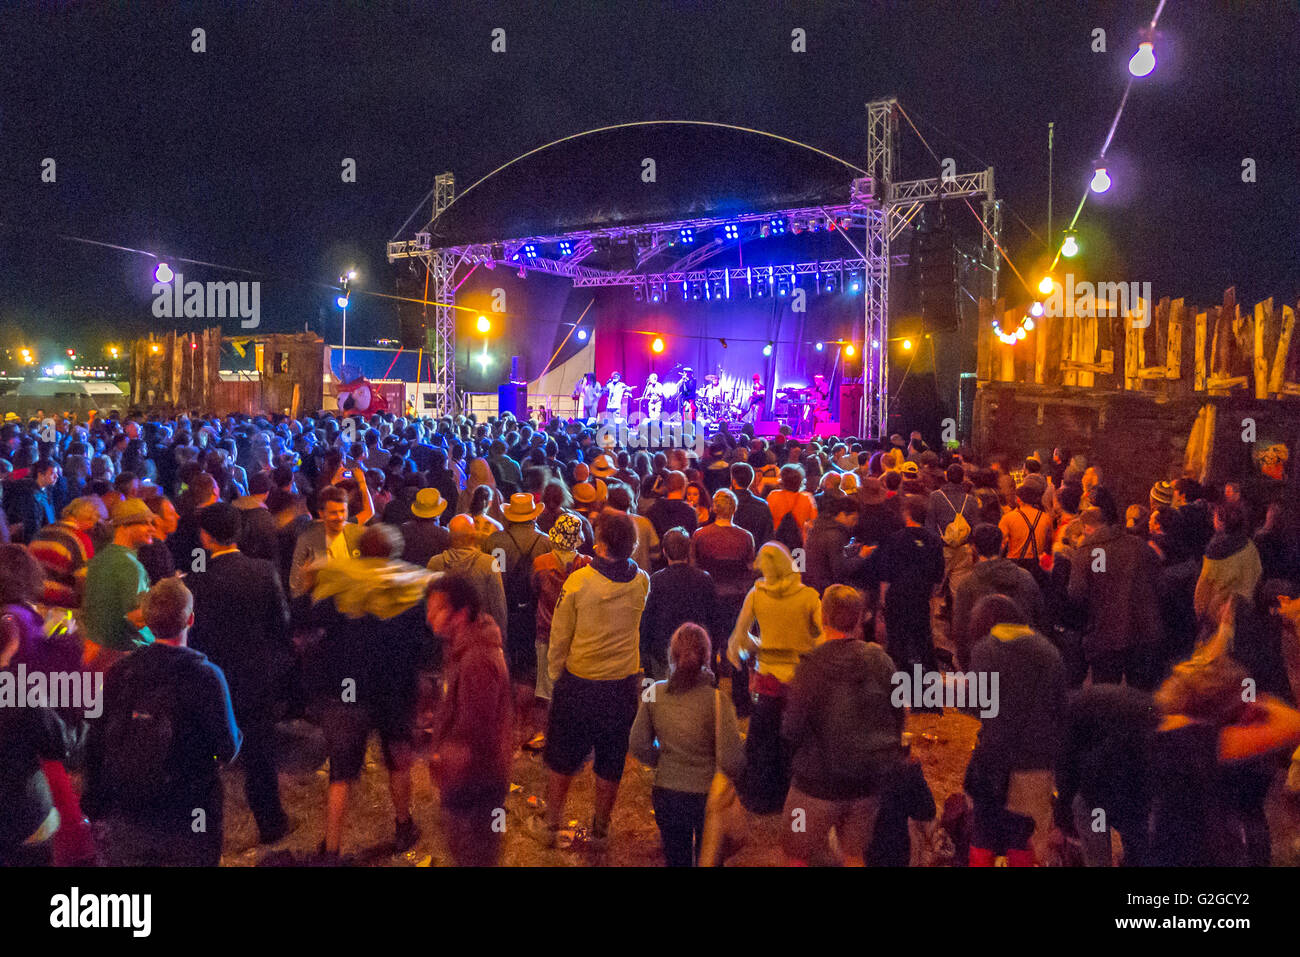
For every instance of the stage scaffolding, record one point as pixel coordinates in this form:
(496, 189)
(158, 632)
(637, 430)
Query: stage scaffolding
(880, 205)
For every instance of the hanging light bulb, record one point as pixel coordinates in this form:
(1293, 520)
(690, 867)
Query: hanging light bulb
(1144, 61)
(163, 273)
(1100, 180)
(1029, 323)
(1036, 309)
(1070, 248)
(1020, 333)
(1046, 286)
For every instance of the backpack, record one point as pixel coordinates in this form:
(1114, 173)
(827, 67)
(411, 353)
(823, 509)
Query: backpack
(957, 531)
(787, 533)
(138, 744)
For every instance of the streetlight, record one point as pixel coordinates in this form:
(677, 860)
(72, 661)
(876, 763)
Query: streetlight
(342, 301)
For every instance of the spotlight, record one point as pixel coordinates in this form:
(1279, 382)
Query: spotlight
(566, 247)
(696, 291)
(1100, 180)
(484, 324)
(830, 283)
(814, 225)
(855, 281)
(1144, 61)
(783, 287)
(582, 335)
(820, 346)
(657, 345)
(1070, 248)
(530, 250)
(777, 226)
(907, 345)
(687, 235)
(498, 251)
(655, 295)
(717, 289)
(637, 294)
(163, 273)
(1046, 286)
(875, 344)
(796, 227)
(352, 274)
(342, 302)
(767, 349)
(731, 231)
(850, 351)
(645, 240)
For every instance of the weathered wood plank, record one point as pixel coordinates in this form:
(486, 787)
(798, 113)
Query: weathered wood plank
(1202, 324)
(1259, 356)
(1278, 375)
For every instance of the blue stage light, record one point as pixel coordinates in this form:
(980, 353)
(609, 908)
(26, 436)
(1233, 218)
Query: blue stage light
(582, 335)
(566, 247)
(731, 231)
(530, 250)
(777, 227)
(687, 235)
(767, 349)
(820, 346)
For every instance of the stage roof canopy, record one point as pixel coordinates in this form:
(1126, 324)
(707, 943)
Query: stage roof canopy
(595, 181)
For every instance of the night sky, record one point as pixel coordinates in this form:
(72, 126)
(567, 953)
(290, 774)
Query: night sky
(233, 156)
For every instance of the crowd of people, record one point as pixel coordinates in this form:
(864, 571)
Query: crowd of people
(737, 620)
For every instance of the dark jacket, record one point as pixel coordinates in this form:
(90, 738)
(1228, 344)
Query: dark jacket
(753, 515)
(27, 736)
(996, 576)
(1025, 733)
(29, 506)
(1123, 603)
(678, 594)
(259, 535)
(241, 622)
(845, 733)
(423, 538)
(826, 562)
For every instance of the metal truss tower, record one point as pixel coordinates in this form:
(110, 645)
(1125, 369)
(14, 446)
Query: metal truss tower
(889, 206)
(441, 335)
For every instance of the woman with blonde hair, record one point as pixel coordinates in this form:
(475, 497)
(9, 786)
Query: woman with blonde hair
(789, 618)
(687, 732)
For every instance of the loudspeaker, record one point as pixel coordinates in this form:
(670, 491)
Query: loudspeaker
(512, 397)
(850, 407)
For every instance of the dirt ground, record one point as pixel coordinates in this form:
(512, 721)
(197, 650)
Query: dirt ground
(942, 743)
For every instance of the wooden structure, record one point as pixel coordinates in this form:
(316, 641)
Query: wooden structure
(207, 371)
(1150, 396)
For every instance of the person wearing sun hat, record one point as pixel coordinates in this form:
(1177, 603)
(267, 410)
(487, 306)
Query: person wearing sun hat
(603, 467)
(115, 580)
(424, 536)
(514, 550)
(589, 497)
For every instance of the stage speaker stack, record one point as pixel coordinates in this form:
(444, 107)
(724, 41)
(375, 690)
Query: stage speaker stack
(850, 407)
(512, 396)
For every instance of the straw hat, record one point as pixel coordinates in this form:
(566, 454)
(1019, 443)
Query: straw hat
(603, 466)
(428, 503)
(522, 508)
(584, 493)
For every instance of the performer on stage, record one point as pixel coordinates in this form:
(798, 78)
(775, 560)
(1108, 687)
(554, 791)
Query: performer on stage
(615, 391)
(587, 395)
(686, 394)
(654, 398)
(757, 398)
